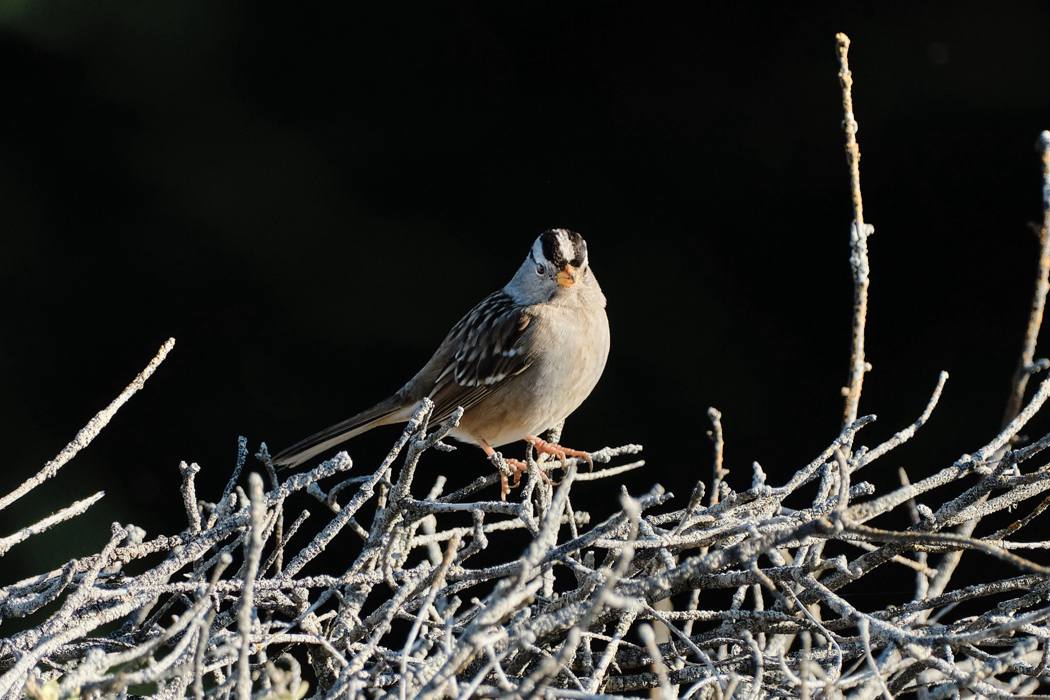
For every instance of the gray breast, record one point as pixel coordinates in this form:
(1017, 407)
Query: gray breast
(573, 347)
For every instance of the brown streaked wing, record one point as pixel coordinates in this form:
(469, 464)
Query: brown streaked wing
(488, 351)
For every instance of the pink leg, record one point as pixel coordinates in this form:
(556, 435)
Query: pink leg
(559, 451)
(517, 469)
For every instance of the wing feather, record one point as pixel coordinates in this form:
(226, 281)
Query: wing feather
(490, 347)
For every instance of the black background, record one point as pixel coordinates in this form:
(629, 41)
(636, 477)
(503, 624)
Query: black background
(308, 197)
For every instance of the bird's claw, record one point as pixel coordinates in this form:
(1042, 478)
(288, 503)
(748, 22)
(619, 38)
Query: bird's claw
(517, 468)
(560, 451)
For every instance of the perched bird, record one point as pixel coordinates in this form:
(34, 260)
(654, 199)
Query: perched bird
(518, 363)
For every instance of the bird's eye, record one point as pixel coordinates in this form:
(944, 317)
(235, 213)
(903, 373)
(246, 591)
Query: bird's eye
(540, 269)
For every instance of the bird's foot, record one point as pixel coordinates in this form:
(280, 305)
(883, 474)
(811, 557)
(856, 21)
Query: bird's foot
(559, 451)
(511, 478)
(506, 466)
(517, 468)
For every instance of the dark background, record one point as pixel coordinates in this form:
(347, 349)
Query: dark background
(307, 198)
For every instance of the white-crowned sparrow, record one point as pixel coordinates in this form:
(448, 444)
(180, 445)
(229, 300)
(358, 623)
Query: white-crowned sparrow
(518, 363)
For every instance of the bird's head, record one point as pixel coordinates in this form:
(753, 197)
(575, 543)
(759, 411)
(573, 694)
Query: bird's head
(556, 264)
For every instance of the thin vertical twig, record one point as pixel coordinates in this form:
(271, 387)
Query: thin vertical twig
(252, 553)
(1026, 365)
(718, 471)
(648, 637)
(859, 232)
(1026, 362)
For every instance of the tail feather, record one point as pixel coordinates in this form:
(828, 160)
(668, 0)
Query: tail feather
(391, 410)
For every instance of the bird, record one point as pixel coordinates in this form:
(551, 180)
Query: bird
(518, 363)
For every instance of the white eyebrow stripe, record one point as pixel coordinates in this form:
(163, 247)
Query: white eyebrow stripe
(565, 245)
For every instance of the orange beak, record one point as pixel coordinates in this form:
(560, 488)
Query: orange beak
(566, 277)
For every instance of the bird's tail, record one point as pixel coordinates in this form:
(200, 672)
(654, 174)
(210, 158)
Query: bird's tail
(391, 410)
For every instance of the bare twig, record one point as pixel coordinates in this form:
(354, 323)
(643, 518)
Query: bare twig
(90, 431)
(1026, 362)
(859, 232)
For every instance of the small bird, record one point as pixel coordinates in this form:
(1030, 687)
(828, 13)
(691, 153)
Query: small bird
(518, 363)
